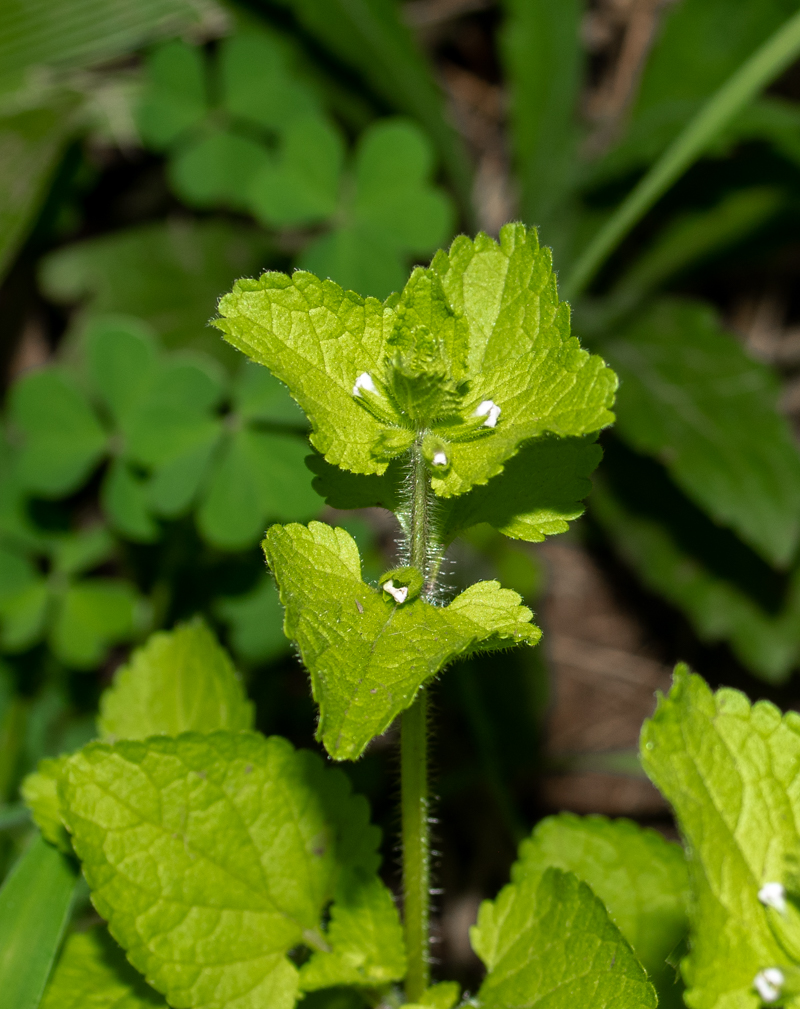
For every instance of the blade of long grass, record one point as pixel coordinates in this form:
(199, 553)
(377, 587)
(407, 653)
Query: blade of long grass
(35, 904)
(763, 66)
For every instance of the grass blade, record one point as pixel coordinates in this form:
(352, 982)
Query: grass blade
(35, 904)
(763, 66)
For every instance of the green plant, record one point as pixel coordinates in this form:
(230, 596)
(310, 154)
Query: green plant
(136, 479)
(234, 870)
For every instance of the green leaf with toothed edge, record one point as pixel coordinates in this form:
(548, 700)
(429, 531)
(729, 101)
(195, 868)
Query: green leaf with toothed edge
(538, 494)
(92, 973)
(368, 657)
(181, 681)
(476, 351)
(548, 941)
(730, 771)
(364, 935)
(640, 876)
(212, 856)
(40, 793)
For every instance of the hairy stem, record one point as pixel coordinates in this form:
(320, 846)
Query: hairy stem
(416, 844)
(766, 63)
(414, 768)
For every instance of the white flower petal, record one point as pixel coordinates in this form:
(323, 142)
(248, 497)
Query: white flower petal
(773, 895)
(768, 983)
(439, 459)
(364, 381)
(398, 593)
(489, 409)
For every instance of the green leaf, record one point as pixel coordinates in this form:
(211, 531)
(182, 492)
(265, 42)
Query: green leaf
(548, 941)
(122, 363)
(62, 439)
(35, 905)
(729, 771)
(169, 274)
(724, 590)
(394, 197)
(256, 82)
(443, 995)
(255, 622)
(124, 497)
(23, 616)
(357, 259)
(364, 935)
(544, 66)
(212, 901)
(218, 169)
(394, 212)
(346, 491)
(174, 486)
(482, 326)
(371, 37)
(174, 98)
(93, 615)
(92, 973)
(180, 681)
(301, 186)
(527, 509)
(17, 573)
(367, 656)
(76, 553)
(641, 878)
(31, 143)
(178, 415)
(259, 475)
(40, 792)
(259, 396)
(694, 399)
(78, 33)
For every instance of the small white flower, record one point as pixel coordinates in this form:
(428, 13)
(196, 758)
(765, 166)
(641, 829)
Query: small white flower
(768, 983)
(773, 895)
(439, 459)
(398, 594)
(364, 381)
(489, 409)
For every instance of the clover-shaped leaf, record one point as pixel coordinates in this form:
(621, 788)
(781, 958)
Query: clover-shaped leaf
(175, 97)
(471, 361)
(369, 650)
(301, 184)
(216, 147)
(81, 616)
(391, 213)
(64, 440)
(160, 419)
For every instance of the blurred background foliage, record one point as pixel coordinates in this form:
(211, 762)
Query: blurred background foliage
(153, 151)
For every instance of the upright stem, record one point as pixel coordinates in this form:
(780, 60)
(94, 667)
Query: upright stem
(416, 844)
(414, 772)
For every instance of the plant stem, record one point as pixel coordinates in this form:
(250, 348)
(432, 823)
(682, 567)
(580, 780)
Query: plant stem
(763, 66)
(416, 844)
(414, 769)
